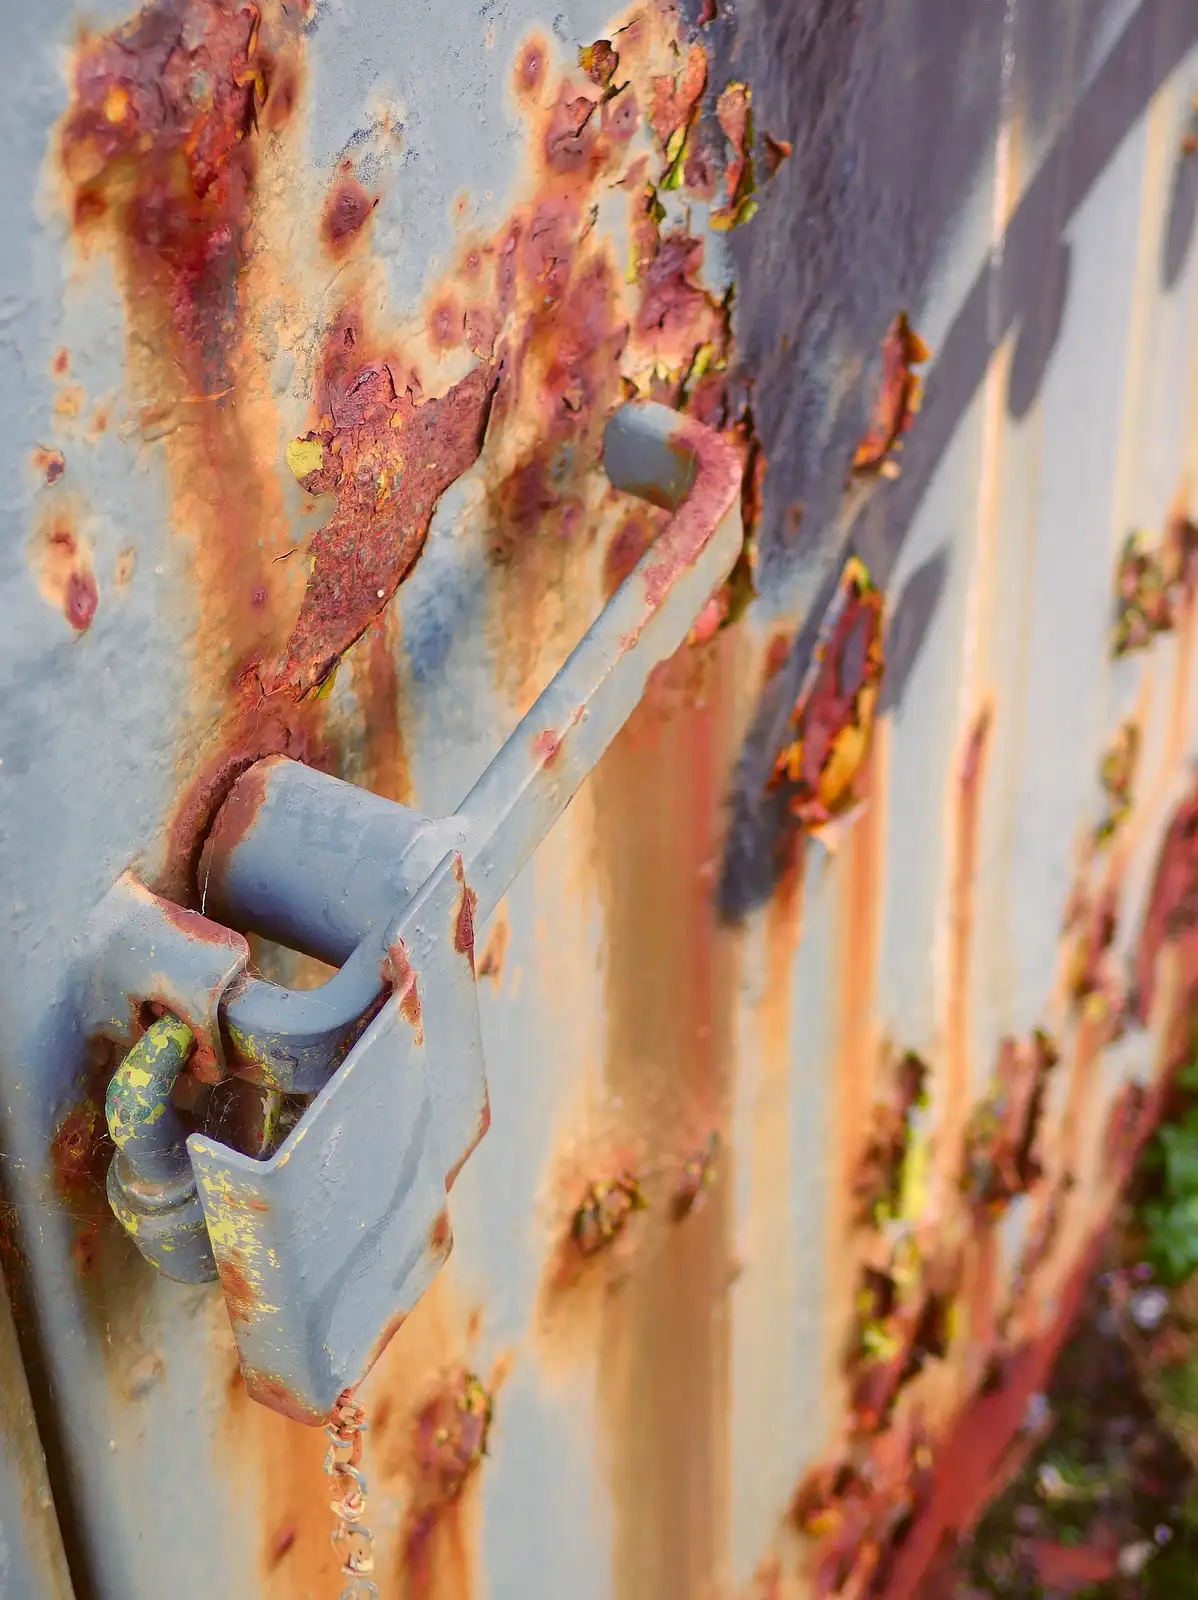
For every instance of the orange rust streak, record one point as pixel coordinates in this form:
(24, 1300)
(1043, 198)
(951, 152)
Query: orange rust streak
(379, 702)
(967, 823)
(670, 985)
(856, 1054)
(161, 148)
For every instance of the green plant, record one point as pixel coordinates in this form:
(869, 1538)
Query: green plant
(1171, 1218)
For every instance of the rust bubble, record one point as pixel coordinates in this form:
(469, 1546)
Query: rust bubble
(69, 401)
(448, 1444)
(49, 463)
(472, 264)
(61, 559)
(280, 1544)
(446, 322)
(531, 66)
(346, 212)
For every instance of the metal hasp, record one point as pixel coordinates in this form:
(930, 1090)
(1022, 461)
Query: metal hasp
(324, 1247)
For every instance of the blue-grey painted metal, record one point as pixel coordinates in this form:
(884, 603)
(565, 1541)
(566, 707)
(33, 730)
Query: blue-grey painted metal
(1012, 176)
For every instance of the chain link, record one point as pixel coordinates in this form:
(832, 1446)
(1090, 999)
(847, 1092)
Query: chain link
(351, 1539)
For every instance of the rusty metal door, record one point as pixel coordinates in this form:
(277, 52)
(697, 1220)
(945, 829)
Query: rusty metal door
(822, 1028)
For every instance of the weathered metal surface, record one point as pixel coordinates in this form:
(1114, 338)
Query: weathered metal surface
(672, 1387)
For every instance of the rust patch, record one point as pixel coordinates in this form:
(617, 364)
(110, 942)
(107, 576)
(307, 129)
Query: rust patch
(898, 399)
(1117, 774)
(447, 324)
(831, 725)
(734, 114)
(60, 363)
(346, 212)
(599, 61)
(61, 558)
(449, 1443)
(603, 1213)
(975, 1457)
(463, 925)
(494, 952)
(161, 145)
(675, 98)
(388, 458)
(1152, 584)
(1001, 1156)
(78, 1156)
(257, 728)
(48, 463)
(239, 808)
(879, 1178)
(440, 1236)
(776, 152)
(69, 401)
(858, 1512)
(240, 1295)
(484, 1123)
(403, 982)
(126, 564)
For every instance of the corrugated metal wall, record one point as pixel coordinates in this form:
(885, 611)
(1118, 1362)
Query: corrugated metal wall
(677, 962)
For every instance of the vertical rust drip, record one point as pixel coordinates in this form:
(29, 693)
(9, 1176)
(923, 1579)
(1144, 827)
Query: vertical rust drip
(966, 827)
(860, 869)
(670, 989)
(377, 687)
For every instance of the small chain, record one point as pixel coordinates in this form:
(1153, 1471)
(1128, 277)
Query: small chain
(351, 1539)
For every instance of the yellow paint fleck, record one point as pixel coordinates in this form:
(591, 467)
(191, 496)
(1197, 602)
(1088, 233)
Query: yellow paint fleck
(305, 456)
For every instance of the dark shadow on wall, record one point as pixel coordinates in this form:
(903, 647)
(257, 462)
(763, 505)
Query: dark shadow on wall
(896, 116)
(1183, 205)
